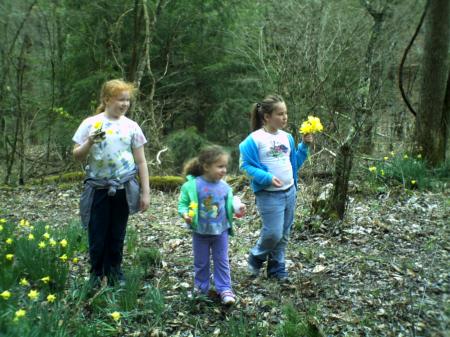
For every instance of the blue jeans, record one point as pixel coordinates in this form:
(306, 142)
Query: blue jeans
(204, 246)
(277, 211)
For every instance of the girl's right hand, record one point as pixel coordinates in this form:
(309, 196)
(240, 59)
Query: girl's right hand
(276, 182)
(96, 136)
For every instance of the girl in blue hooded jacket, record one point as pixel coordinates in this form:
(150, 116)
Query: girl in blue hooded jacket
(269, 157)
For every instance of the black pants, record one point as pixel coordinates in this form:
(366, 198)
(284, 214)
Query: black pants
(106, 231)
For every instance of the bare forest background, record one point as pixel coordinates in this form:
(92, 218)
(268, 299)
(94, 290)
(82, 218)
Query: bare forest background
(200, 64)
(368, 253)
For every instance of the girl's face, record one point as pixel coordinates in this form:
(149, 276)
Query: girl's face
(216, 170)
(118, 105)
(278, 118)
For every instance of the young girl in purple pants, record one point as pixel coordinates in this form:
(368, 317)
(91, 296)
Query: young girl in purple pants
(206, 204)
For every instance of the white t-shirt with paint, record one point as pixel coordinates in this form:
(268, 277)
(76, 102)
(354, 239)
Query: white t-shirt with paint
(113, 157)
(274, 152)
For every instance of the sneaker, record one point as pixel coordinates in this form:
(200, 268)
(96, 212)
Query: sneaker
(254, 272)
(254, 265)
(227, 297)
(282, 279)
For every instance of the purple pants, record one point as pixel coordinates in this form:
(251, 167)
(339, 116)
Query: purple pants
(218, 246)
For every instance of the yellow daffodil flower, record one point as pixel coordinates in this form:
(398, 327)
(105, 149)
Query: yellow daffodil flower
(405, 156)
(193, 205)
(19, 313)
(5, 295)
(51, 298)
(52, 242)
(373, 169)
(386, 158)
(306, 128)
(24, 282)
(9, 257)
(42, 245)
(312, 125)
(75, 260)
(63, 243)
(191, 213)
(2, 220)
(109, 132)
(9, 241)
(413, 182)
(392, 153)
(98, 125)
(419, 156)
(46, 235)
(45, 279)
(24, 223)
(115, 315)
(30, 236)
(33, 294)
(63, 257)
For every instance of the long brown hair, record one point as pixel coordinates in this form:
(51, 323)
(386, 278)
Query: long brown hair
(266, 106)
(111, 89)
(207, 156)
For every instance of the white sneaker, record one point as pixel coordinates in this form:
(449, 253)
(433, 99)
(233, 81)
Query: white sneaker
(228, 298)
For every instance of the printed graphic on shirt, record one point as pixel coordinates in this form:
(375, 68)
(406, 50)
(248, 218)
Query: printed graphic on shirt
(212, 219)
(209, 208)
(277, 150)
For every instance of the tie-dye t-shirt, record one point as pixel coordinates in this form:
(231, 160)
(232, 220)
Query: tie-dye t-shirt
(113, 157)
(212, 218)
(274, 152)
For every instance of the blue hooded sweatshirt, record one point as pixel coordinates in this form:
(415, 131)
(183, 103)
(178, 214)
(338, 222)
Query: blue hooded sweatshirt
(257, 172)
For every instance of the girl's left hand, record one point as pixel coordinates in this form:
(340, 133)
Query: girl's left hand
(243, 209)
(308, 138)
(144, 202)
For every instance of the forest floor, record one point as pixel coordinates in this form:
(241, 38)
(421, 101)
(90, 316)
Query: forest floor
(383, 271)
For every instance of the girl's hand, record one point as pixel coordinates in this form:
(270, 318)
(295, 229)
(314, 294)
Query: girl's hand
(96, 136)
(276, 182)
(187, 218)
(308, 138)
(144, 202)
(242, 209)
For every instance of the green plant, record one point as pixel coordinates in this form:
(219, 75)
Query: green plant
(166, 183)
(408, 171)
(131, 239)
(241, 326)
(128, 295)
(149, 257)
(154, 301)
(297, 325)
(185, 144)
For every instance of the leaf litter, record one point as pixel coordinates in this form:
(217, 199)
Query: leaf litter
(383, 271)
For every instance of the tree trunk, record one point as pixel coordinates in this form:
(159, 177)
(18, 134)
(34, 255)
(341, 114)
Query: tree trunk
(430, 128)
(369, 80)
(337, 203)
(446, 115)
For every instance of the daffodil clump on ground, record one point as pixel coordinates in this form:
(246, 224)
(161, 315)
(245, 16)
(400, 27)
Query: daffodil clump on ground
(404, 169)
(34, 264)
